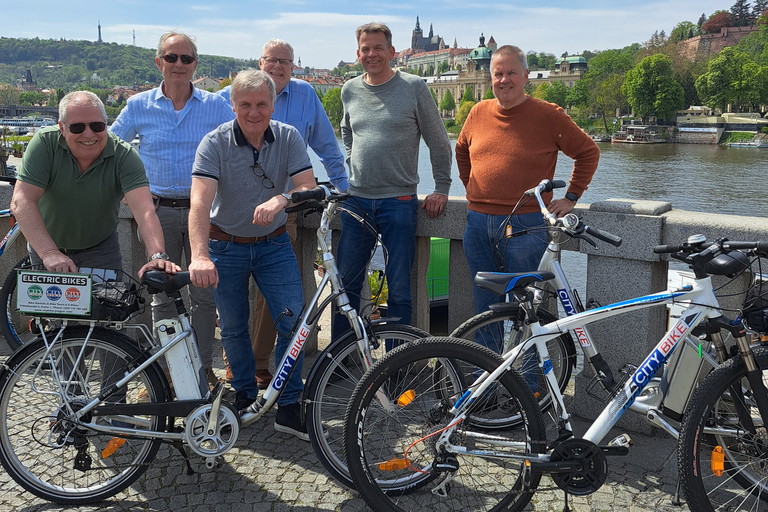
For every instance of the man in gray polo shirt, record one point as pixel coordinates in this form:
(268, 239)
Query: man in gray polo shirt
(237, 230)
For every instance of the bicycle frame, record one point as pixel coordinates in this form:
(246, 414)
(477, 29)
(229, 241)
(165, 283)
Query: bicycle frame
(704, 306)
(12, 235)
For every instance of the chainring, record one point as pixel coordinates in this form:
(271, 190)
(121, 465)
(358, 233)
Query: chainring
(591, 471)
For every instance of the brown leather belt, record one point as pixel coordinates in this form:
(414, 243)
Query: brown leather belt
(217, 233)
(173, 203)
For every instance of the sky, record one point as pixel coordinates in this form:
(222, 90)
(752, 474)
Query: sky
(323, 33)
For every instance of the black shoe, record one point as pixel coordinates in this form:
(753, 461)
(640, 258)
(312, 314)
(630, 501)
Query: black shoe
(242, 401)
(290, 420)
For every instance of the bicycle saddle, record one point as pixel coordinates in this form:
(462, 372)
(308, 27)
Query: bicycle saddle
(158, 281)
(501, 283)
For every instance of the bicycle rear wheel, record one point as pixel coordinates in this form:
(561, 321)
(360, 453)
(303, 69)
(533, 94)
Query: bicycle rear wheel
(723, 445)
(496, 328)
(44, 447)
(330, 386)
(14, 325)
(391, 445)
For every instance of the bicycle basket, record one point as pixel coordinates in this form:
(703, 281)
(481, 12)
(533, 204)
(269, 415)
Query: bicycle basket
(755, 313)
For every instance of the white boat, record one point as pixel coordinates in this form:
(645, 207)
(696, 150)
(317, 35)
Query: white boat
(749, 144)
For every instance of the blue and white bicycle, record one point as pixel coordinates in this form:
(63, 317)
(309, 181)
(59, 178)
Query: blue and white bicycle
(419, 433)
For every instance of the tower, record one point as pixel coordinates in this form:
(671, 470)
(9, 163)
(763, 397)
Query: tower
(417, 34)
(100, 41)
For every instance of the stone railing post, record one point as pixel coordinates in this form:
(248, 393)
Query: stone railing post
(619, 273)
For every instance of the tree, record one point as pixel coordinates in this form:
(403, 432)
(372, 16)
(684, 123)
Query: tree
(448, 104)
(430, 70)
(9, 95)
(434, 96)
(443, 67)
(758, 9)
(702, 20)
(333, 107)
(733, 78)
(467, 96)
(319, 94)
(740, 14)
(650, 88)
(224, 83)
(32, 98)
(716, 22)
(463, 112)
(489, 94)
(684, 30)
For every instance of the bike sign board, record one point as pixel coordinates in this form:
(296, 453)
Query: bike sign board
(54, 293)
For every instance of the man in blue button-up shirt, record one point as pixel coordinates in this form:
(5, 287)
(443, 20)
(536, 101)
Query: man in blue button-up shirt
(298, 105)
(170, 121)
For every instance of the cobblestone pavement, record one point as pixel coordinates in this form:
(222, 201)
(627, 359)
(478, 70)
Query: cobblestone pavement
(275, 472)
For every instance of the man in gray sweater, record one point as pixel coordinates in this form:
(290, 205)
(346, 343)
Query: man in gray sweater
(385, 115)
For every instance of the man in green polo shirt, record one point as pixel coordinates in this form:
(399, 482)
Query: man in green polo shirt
(69, 188)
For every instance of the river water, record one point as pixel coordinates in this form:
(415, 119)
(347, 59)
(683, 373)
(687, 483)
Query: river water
(705, 178)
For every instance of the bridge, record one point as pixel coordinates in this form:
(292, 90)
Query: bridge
(613, 273)
(23, 110)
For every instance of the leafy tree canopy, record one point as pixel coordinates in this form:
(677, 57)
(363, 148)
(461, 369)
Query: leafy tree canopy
(650, 88)
(448, 102)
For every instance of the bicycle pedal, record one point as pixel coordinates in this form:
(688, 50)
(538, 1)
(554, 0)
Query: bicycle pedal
(622, 440)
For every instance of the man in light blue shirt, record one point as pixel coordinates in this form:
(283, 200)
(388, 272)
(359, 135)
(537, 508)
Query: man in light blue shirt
(170, 121)
(298, 105)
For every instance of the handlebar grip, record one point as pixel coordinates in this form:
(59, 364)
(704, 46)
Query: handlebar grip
(317, 193)
(604, 236)
(306, 205)
(8, 179)
(665, 249)
(557, 184)
(759, 246)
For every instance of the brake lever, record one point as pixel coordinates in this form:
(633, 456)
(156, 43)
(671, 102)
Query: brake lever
(585, 238)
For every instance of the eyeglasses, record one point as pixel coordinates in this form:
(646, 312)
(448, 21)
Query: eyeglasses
(272, 60)
(96, 127)
(258, 171)
(172, 58)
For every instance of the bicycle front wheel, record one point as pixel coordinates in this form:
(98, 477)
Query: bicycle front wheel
(496, 328)
(14, 325)
(402, 406)
(330, 386)
(723, 445)
(45, 447)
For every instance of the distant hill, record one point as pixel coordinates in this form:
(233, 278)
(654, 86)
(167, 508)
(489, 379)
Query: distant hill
(65, 64)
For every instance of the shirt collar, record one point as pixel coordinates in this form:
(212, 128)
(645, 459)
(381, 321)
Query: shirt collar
(240, 140)
(196, 93)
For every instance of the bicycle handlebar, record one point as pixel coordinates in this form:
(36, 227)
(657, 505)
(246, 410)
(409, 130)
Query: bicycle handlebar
(8, 179)
(546, 186)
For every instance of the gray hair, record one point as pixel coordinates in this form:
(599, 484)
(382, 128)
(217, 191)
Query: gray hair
(372, 28)
(512, 51)
(83, 98)
(171, 33)
(279, 43)
(251, 80)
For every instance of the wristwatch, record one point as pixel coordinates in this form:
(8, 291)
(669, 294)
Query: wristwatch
(159, 256)
(287, 196)
(571, 196)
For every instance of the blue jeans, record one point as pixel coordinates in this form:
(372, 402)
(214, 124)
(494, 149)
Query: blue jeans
(483, 252)
(273, 266)
(395, 219)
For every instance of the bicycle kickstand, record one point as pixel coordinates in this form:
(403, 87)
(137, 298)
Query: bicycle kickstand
(566, 508)
(676, 498)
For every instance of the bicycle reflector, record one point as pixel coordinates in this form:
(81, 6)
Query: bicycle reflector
(718, 461)
(406, 398)
(112, 446)
(393, 465)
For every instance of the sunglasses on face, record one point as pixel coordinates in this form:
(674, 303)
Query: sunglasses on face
(96, 127)
(172, 58)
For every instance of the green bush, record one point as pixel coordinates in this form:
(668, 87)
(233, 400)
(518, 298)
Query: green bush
(764, 129)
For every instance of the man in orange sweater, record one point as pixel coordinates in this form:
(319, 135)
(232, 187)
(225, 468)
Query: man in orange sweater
(507, 146)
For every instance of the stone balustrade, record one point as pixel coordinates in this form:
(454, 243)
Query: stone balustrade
(613, 273)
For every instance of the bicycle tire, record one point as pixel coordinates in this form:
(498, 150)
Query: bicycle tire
(376, 439)
(60, 460)
(562, 351)
(742, 484)
(330, 385)
(14, 326)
